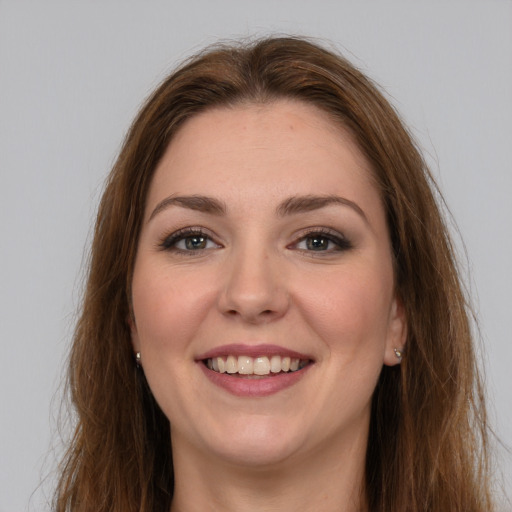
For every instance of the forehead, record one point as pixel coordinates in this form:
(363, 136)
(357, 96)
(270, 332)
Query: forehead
(256, 152)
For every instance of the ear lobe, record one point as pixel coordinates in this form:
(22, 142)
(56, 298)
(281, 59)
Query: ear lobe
(397, 333)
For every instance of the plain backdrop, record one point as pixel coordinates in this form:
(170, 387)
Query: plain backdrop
(72, 75)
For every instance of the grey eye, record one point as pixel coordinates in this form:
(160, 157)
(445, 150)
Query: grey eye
(322, 242)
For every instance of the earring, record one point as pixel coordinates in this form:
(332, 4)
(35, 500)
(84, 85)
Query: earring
(398, 354)
(137, 359)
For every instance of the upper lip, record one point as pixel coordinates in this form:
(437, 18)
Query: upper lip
(237, 349)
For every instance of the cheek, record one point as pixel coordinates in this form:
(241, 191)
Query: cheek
(168, 311)
(168, 314)
(351, 310)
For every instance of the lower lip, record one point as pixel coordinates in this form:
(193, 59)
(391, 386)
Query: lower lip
(254, 387)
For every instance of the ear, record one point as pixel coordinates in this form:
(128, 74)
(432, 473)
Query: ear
(397, 333)
(134, 333)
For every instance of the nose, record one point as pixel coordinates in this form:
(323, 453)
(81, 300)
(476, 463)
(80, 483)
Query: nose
(254, 287)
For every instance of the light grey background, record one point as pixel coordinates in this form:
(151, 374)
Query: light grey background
(72, 75)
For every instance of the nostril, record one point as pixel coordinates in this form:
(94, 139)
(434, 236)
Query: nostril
(266, 312)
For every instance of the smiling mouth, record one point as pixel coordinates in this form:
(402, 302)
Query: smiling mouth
(262, 366)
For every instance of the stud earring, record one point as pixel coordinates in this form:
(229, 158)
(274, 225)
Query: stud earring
(137, 359)
(398, 354)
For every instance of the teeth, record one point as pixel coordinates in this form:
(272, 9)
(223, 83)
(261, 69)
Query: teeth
(261, 366)
(275, 364)
(245, 365)
(231, 364)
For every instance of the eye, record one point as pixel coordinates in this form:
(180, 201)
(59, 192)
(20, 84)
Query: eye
(193, 243)
(322, 241)
(188, 240)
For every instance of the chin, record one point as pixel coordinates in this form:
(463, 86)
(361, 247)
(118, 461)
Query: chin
(252, 443)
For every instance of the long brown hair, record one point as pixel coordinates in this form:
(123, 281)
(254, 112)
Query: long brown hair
(428, 431)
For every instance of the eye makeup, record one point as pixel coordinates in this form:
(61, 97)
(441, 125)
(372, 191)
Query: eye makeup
(188, 240)
(315, 240)
(321, 240)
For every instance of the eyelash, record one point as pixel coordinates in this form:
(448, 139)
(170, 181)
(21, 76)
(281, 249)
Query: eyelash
(169, 242)
(341, 243)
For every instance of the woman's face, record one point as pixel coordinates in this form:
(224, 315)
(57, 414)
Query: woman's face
(264, 249)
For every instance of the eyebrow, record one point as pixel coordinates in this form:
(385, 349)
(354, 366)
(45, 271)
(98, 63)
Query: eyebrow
(302, 204)
(200, 203)
(291, 206)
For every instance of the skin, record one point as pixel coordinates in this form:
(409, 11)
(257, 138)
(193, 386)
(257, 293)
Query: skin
(258, 281)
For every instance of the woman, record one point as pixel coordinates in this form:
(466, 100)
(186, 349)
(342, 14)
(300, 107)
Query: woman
(273, 318)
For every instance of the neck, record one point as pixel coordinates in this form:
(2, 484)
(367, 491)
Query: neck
(328, 480)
